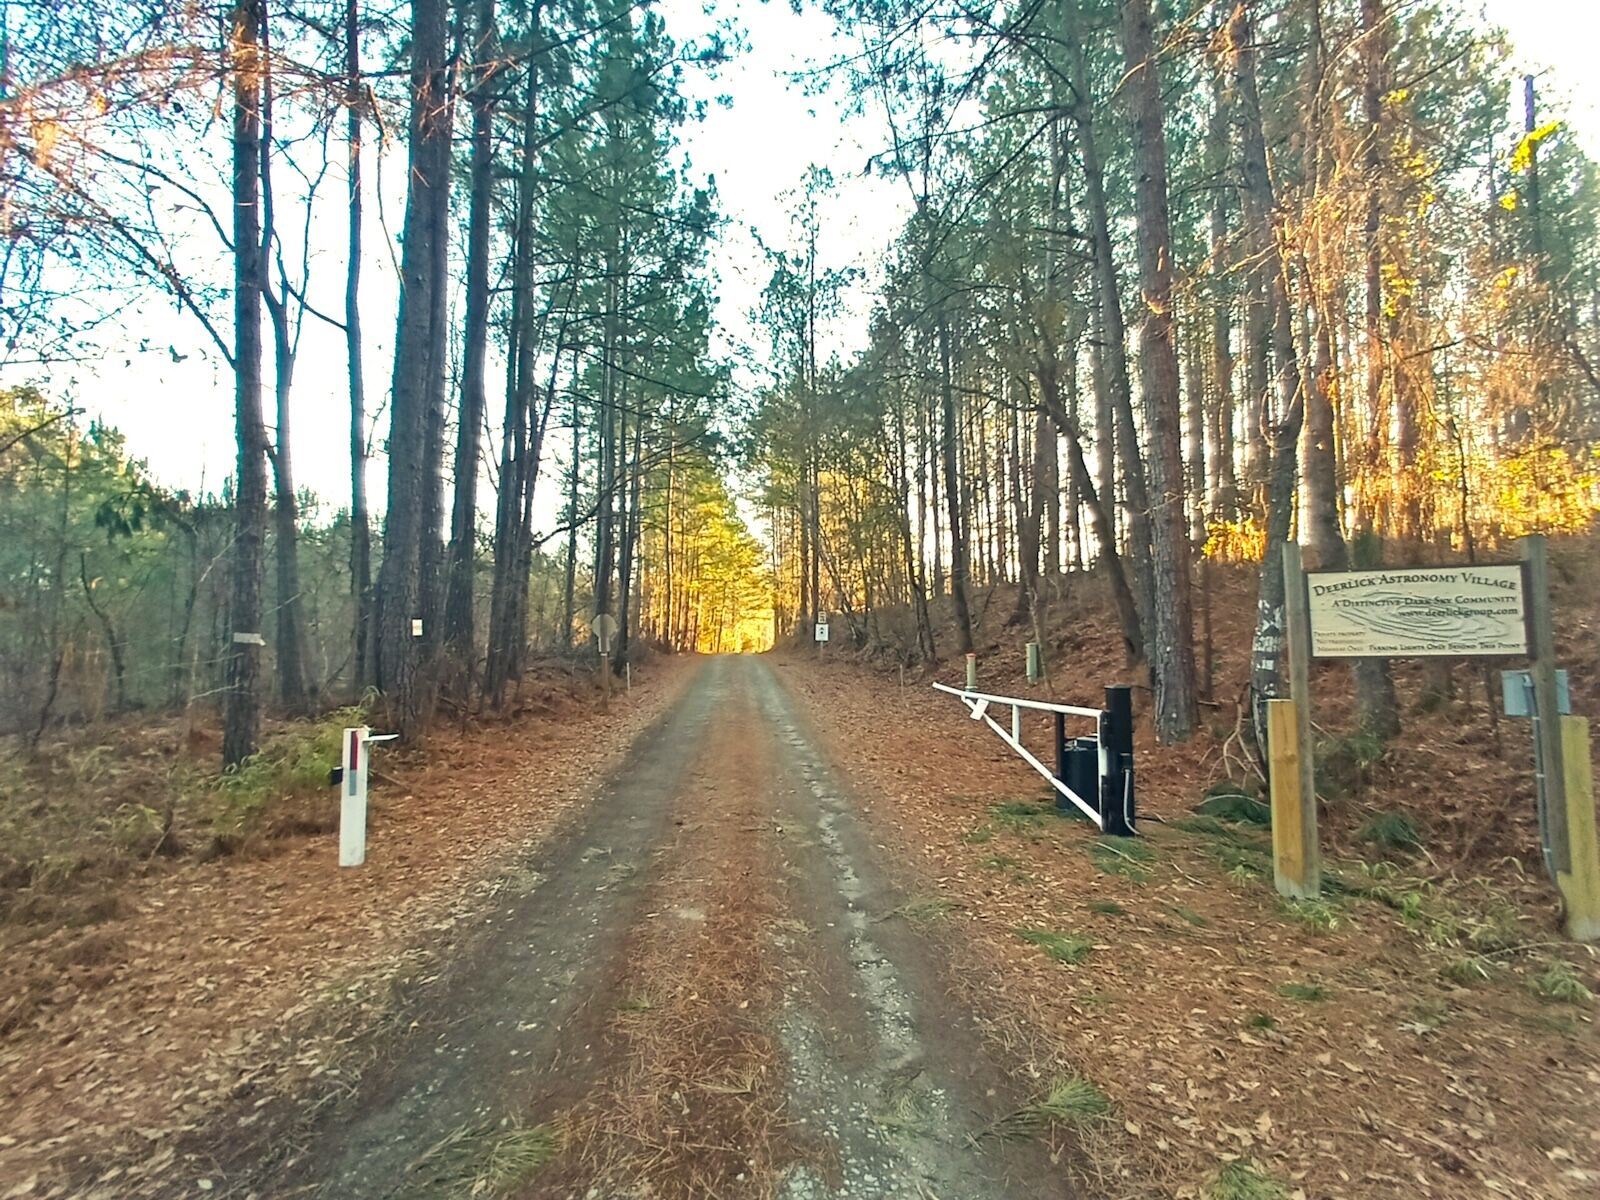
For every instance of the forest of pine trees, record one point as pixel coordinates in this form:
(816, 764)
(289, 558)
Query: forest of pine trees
(1180, 281)
(1175, 282)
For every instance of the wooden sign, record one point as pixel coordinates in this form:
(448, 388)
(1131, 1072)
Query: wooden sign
(1418, 612)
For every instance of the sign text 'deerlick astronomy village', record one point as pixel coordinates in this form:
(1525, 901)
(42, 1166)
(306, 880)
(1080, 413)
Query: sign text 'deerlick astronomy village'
(1422, 611)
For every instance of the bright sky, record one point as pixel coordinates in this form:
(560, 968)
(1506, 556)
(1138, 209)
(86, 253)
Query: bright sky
(179, 415)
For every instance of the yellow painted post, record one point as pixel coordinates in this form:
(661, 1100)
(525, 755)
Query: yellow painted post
(1580, 886)
(1296, 858)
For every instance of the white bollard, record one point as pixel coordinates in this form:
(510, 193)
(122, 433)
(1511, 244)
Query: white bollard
(353, 799)
(356, 756)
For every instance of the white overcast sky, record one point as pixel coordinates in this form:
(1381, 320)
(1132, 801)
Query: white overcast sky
(178, 416)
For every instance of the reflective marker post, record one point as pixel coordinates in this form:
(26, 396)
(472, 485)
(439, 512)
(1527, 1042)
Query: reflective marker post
(355, 758)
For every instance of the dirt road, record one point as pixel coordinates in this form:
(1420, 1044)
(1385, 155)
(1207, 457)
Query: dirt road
(704, 988)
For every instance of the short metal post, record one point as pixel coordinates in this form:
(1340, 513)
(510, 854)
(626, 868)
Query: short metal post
(1061, 754)
(1116, 763)
(972, 672)
(1033, 662)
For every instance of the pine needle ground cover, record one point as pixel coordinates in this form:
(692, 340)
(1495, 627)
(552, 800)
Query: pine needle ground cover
(1233, 1036)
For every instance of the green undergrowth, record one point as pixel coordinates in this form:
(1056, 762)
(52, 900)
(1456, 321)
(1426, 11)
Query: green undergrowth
(1318, 916)
(99, 811)
(296, 764)
(1239, 803)
(1243, 1181)
(1305, 993)
(1073, 1101)
(1129, 858)
(1063, 947)
(1559, 984)
(1393, 831)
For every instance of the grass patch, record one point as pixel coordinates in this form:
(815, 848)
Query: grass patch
(1001, 862)
(1214, 827)
(977, 837)
(1026, 817)
(923, 910)
(481, 1160)
(1127, 858)
(294, 765)
(1236, 807)
(1393, 831)
(1469, 969)
(1189, 915)
(1319, 916)
(1306, 993)
(1107, 908)
(1261, 1021)
(1073, 1101)
(1241, 1181)
(1063, 947)
(1559, 984)
(1243, 873)
(1344, 764)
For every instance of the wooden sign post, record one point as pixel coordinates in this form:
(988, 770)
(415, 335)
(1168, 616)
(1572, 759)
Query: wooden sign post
(1580, 882)
(1474, 611)
(1561, 764)
(1296, 852)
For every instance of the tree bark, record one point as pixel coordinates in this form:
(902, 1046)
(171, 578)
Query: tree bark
(418, 355)
(461, 558)
(241, 726)
(1114, 340)
(1172, 647)
(290, 651)
(360, 520)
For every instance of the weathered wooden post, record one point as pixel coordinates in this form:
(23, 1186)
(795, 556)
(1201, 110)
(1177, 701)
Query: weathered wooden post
(1580, 884)
(1296, 853)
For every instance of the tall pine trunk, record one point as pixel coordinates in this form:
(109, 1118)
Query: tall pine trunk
(419, 354)
(360, 520)
(461, 557)
(290, 650)
(241, 726)
(1171, 649)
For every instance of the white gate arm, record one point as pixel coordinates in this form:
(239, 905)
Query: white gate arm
(978, 705)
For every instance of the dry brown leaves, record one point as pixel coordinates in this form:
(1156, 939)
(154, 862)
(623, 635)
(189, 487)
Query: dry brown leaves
(187, 999)
(1397, 1083)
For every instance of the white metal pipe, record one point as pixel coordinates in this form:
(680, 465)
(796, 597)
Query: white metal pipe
(1042, 705)
(1088, 810)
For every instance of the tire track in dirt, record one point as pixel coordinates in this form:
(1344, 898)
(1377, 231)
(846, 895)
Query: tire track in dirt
(704, 986)
(508, 1031)
(882, 1066)
(693, 1105)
